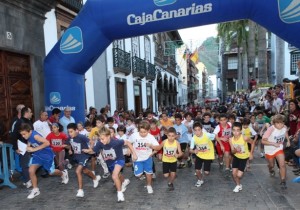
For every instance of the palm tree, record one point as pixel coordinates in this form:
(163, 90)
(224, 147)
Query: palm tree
(262, 54)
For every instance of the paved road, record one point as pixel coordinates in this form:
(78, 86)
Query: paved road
(260, 192)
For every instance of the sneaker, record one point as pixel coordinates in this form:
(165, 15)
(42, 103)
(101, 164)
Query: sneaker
(272, 172)
(199, 183)
(80, 193)
(28, 184)
(105, 175)
(238, 188)
(65, 177)
(96, 181)
(142, 177)
(33, 193)
(124, 185)
(69, 166)
(227, 172)
(94, 172)
(153, 176)
(149, 189)
(170, 186)
(283, 185)
(262, 155)
(121, 197)
(296, 170)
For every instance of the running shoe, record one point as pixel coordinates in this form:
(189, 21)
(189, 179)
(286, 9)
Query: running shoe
(105, 175)
(238, 188)
(65, 177)
(80, 193)
(96, 181)
(283, 185)
(149, 189)
(199, 183)
(121, 197)
(170, 186)
(124, 185)
(33, 193)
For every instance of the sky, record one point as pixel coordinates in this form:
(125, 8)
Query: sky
(194, 37)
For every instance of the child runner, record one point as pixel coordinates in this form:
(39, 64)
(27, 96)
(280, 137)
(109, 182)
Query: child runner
(100, 120)
(155, 131)
(182, 137)
(57, 140)
(122, 136)
(143, 145)
(79, 142)
(273, 140)
(171, 151)
(223, 133)
(203, 148)
(112, 151)
(42, 155)
(249, 132)
(82, 130)
(241, 154)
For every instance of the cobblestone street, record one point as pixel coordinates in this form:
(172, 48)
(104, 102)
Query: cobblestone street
(260, 192)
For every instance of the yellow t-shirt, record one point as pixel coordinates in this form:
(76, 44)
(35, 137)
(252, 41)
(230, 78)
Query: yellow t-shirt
(169, 151)
(242, 146)
(169, 123)
(205, 147)
(93, 131)
(246, 132)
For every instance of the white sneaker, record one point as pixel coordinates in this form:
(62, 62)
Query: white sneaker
(105, 175)
(149, 189)
(199, 183)
(93, 172)
(238, 188)
(34, 192)
(121, 197)
(65, 177)
(153, 176)
(80, 193)
(124, 185)
(96, 181)
(28, 184)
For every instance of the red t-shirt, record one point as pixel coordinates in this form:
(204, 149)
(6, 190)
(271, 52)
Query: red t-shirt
(156, 134)
(56, 141)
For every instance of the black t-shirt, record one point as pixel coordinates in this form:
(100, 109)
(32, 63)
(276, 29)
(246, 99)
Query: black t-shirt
(15, 134)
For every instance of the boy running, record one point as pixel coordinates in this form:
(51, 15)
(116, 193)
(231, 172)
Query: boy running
(42, 155)
(241, 154)
(112, 151)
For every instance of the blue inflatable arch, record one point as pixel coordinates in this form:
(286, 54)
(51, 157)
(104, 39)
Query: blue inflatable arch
(102, 21)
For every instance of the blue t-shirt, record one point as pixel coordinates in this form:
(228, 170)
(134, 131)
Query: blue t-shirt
(79, 143)
(45, 153)
(182, 131)
(112, 151)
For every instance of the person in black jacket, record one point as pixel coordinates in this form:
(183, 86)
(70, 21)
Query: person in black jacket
(26, 115)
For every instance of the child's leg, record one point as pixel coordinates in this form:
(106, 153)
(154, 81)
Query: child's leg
(172, 177)
(93, 163)
(79, 175)
(33, 178)
(227, 158)
(235, 176)
(103, 164)
(61, 160)
(89, 173)
(117, 178)
(282, 168)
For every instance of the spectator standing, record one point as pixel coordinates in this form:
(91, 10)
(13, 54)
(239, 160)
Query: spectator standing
(66, 119)
(42, 125)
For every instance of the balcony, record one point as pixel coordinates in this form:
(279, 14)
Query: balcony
(121, 61)
(75, 5)
(138, 67)
(151, 72)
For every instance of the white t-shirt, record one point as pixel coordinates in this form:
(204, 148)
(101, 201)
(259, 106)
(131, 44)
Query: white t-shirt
(275, 136)
(139, 145)
(84, 132)
(277, 103)
(42, 127)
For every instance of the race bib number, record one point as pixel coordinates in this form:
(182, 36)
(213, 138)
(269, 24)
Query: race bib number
(240, 149)
(76, 147)
(226, 132)
(202, 147)
(109, 154)
(141, 146)
(279, 139)
(56, 142)
(169, 152)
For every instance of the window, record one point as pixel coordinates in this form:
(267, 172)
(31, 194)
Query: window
(147, 49)
(232, 63)
(119, 44)
(295, 57)
(135, 45)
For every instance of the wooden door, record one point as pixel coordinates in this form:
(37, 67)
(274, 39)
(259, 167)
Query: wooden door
(15, 86)
(121, 96)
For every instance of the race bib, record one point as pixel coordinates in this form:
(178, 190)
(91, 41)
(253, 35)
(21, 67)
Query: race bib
(202, 147)
(141, 145)
(109, 154)
(169, 152)
(279, 139)
(239, 148)
(56, 142)
(226, 132)
(76, 147)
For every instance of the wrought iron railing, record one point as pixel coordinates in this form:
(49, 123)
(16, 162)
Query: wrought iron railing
(151, 71)
(73, 4)
(138, 67)
(121, 61)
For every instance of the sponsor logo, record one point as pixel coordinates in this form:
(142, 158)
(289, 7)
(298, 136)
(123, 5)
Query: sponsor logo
(159, 14)
(71, 41)
(164, 2)
(289, 10)
(55, 98)
(62, 108)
